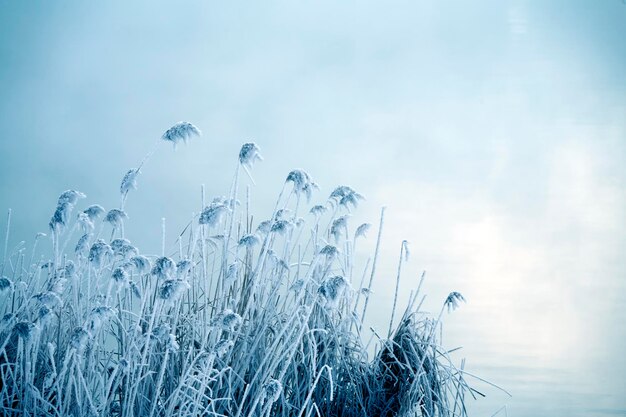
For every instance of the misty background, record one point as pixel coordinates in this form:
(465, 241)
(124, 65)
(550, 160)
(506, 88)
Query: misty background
(493, 131)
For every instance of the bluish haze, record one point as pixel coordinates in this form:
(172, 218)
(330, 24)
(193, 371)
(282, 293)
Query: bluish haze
(494, 132)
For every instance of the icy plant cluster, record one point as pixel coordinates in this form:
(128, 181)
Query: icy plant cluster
(243, 318)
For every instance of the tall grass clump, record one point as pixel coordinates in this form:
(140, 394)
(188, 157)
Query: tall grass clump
(243, 318)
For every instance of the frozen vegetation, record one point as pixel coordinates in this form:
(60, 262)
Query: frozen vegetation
(245, 318)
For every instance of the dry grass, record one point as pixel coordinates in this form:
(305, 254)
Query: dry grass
(245, 318)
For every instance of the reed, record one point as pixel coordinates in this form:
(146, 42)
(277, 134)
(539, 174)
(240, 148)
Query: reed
(244, 318)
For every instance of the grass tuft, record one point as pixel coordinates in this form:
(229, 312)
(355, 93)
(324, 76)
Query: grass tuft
(244, 318)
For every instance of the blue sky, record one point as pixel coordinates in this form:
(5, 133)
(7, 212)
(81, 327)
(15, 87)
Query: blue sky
(494, 131)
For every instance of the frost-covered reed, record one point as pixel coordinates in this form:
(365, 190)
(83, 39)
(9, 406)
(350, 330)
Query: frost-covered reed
(245, 318)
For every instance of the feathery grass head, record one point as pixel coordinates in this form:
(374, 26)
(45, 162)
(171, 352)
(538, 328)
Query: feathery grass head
(231, 273)
(345, 196)
(249, 241)
(222, 347)
(362, 230)
(60, 216)
(119, 275)
(116, 217)
(183, 268)
(272, 390)
(318, 210)
(79, 339)
(164, 268)
(97, 317)
(70, 197)
(180, 132)
(281, 226)
(99, 252)
(82, 245)
(134, 289)
(94, 211)
(85, 222)
(332, 289)
(68, 270)
(141, 263)
(171, 289)
(24, 329)
(49, 299)
(339, 226)
(118, 244)
(229, 320)
(264, 227)
(282, 214)
(453, 301)
(129, 182)
(57, 284)
(249, 154)
(329, 251)
(213, 214)
(302, 182)
(5, 284)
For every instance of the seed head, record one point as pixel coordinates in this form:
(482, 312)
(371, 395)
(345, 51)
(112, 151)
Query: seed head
(60, 217)
(281, 214)
(94, 211)
(135, 289)
(70, 197)
(453, 301)
(117, 244)
(141, 264)
(345, 196)
(249, 241)
(222, 347)
(338, 227)
(99, 252)
(119, 275)
(24, 329)
(332, 289)
(82, 245)
(318, 210)
(43, 315)
(115, 217)
(164, 268)
(249, 154)
(264, 227)
(281, 226)
(5, 284)
(229, 320)
(47, 298)
(79, 339)
(302, 182)
(85, 222)
(329, 251)
(272, 390)
(161, 332)
(231, 274)
(129, 182)
(97, 317)
(181, 131)
(57, 285)
(183, 267)
(213, 214)
(351, 199)
(171, 289)
(362, 230)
